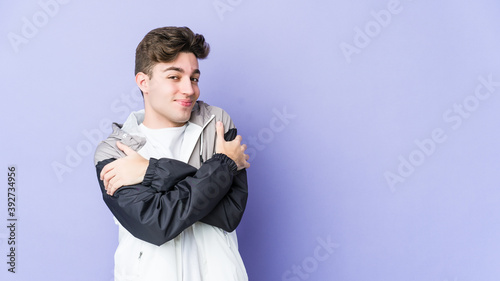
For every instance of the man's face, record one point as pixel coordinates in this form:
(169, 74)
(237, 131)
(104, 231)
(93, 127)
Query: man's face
(171, 92)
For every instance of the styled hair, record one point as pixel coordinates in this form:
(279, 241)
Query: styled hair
(164, 45)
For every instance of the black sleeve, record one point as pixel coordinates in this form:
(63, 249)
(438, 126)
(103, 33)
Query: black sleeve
(172, 197)
(228, 213)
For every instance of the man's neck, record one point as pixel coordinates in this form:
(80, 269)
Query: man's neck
(153, 122)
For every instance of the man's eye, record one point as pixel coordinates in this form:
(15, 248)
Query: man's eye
(195, 79)
(173, 77)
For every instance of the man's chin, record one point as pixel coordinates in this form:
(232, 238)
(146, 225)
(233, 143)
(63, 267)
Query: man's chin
(182, 121)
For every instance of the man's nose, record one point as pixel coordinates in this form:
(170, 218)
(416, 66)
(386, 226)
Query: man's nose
(187, 87)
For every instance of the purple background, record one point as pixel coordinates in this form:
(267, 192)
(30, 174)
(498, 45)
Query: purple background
(330, 96)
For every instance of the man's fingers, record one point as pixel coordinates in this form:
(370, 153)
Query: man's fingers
(220, 131)
(107, 177)
(233, 149)
(114, 184)
(106, 169)
(127, 150)
(244, 163)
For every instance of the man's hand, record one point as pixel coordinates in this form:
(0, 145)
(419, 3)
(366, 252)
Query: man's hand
(233, 149)
(124, 171)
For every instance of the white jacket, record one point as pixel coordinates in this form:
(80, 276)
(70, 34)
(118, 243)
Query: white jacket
(218, 255)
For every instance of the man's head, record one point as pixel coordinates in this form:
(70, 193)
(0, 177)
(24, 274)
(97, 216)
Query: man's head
(167, 73)
(164, 44)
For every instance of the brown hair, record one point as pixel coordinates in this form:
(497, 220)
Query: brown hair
(164, 44)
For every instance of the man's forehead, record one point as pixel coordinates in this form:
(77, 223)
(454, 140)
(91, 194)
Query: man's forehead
(184, 65)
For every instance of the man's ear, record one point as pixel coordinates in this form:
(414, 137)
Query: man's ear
(142, 80)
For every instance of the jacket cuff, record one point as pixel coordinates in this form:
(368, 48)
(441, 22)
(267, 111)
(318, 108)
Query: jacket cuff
(225, 159)
(150, 172)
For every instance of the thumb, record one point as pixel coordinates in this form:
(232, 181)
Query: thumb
(220, 131)
(127, 150)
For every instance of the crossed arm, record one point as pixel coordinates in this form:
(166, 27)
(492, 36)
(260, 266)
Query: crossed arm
(171, 195)
(132, 168)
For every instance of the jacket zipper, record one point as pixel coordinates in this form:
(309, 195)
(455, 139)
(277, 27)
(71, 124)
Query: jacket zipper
(201, 140)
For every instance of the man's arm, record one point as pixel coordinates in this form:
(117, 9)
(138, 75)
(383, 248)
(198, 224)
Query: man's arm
(162, 205)
(229, 211)
(132, 168)
(157, 210)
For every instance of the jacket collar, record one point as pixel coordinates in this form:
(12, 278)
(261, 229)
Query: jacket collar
(130, 134)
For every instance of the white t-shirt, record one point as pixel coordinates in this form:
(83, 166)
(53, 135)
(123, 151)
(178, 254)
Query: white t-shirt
(167, 143)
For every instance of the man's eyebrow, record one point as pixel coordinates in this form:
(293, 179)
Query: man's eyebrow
(178, 69)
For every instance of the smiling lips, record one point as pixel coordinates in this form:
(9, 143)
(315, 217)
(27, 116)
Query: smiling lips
(185, 102)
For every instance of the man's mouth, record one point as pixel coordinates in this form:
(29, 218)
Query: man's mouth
(185, 102)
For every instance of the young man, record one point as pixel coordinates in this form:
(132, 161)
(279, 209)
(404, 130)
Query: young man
(178, 189)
